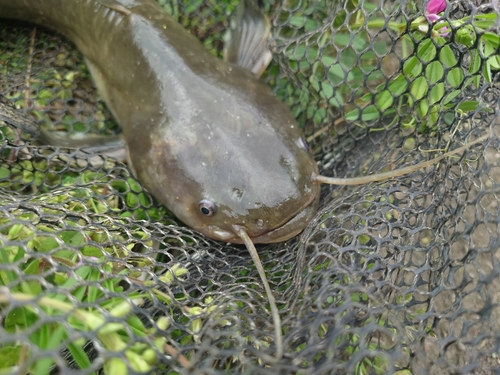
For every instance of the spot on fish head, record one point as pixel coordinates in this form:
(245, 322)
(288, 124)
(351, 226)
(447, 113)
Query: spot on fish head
(237, 193)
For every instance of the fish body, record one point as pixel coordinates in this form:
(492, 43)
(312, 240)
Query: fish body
(205, 137)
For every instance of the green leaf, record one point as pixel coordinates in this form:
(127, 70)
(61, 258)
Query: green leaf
(45, 94)
(336, 73)
(6, 277)
(475, 62)
(412, 67)
(296, 52)
(33, 267)
(426, 50)
(419, 88)
(64, 94)
(468, 106)
(305, 22)
(73, 238)
(136, 325)
(47, 338)
(341, 40)
(43, 244)
(91, 251)
(134, 185)
(370, 113)
(447, 57)
(455, 77)
(433, 116)
(493, 39)
(337, 102)
(423, 107)
(487, 72)
(436, 93)
(494, 61)
(384, 100)
(452, 95)
(485, 21)
(4, 173)
(327, 90)
(434, 72)
(9, 355)
(488, 49)
(79, 355)
(398, 86)
(352, 115)
(14, 231)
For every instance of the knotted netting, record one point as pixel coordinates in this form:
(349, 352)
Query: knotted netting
(401, 276)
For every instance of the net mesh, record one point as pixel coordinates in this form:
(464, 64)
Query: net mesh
(399, 277)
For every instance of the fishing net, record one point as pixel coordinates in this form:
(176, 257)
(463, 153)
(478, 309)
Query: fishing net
(401, 276)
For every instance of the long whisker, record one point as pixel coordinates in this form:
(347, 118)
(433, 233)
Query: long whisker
(397, 172)
(241, 231)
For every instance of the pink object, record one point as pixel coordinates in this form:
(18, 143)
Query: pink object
(434, 7)
(431, 12)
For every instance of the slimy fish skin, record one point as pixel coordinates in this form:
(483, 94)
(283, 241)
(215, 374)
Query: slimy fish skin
(205, 137)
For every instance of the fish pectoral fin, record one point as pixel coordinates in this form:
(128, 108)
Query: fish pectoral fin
(246, 42)
(119, 6)
(111, 145)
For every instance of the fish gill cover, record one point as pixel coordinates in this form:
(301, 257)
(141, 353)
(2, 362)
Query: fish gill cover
(398, 277)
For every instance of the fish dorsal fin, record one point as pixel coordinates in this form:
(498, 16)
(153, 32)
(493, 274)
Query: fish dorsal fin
(247, 39)
(120, 6)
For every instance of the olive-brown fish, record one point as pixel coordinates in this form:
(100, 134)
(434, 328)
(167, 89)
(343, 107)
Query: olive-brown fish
(204, 136)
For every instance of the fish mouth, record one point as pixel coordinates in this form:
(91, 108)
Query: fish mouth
(289, 229)
(285, 231)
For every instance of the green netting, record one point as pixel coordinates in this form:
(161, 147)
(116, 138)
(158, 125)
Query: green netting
(398, 277)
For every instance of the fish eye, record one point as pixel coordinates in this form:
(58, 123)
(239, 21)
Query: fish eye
(207, 208)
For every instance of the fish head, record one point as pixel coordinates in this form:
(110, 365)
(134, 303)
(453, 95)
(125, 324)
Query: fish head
(263, 185)
(242, 161)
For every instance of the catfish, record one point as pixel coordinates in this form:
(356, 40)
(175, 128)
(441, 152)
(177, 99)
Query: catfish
(204, 136)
